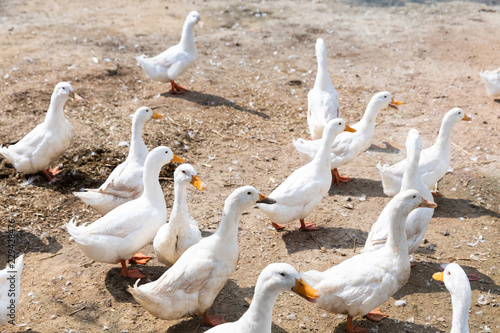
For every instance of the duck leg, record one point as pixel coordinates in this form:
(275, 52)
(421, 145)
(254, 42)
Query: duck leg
(50, 173)
(376, 315)
(354, 329)
(132, 273)
(139, 258)
(338, 178)
(308, 226)
(212, 320)
(436, 193)
(277, 226)
(177, 89)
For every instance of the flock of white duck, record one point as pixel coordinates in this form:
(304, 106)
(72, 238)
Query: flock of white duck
(134, 211)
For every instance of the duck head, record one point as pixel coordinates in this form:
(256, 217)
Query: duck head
(162, 155)
(279, 277)
(194, 18)
(455, 115)
(185, 174)
(383, 100)
(144, 113)
(411, 199)
(64, 90)
(247, 196)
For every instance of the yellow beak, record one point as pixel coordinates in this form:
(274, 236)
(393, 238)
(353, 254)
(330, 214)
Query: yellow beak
(201, 24)
(197, 182)
(305, 290)
(266, 200)
(394, 103)
(438, 276)
(466, 118)
(349, 129)
(75, 96)
(427, 204)
(177, 159)
(157, 115)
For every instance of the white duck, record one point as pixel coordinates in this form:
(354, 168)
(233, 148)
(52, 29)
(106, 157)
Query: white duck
(434, 161)
(10, 289)
(190, 286)
(418, 220)
(273, 280)
(168, 65)
(48, 141)
(122, 232)
(322, 100)
(491, 80)
(304, 189)
(347, 147)
(181, 231)
(125, 182)
(365, 281)
(458, 285)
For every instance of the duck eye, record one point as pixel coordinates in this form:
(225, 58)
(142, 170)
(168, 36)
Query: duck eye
(282, 274)
(414, 196)
(184, 172)
(460, 113)
(63, 88)
(340, 123)
(448, 273)
(385, 96)
(249, 193)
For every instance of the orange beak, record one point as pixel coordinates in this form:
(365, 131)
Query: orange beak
(266, 200)
(196, 181)
(466, 118)
(438, 276)
(349, 129)
(394, 103)
(305, 290)
(75, 96)
(427, 204)
(157, 115)
(177, 159)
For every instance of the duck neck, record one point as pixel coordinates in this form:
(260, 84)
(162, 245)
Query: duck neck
(261, 309)
(461, 305)
(323, 79)
(180, 204)
(56, 109)
(152, 188)
(443, 141)
(411, 173)
(396, 238)
(187, 37)
(323, 156)
(136, 142)
(228, 228)
(368, 120)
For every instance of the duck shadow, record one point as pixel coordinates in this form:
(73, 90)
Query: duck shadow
(67, 183)
(421, 281)
(388, 325)
(357, 187)
(388, 148)
(117, 285)
(455, 208)
(212, 100)
(26, 242)
(327, 238)
(400, 3)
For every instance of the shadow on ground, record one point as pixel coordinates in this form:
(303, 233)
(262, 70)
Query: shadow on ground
(213, 100)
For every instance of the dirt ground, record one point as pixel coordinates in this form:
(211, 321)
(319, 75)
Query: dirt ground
(248, 101)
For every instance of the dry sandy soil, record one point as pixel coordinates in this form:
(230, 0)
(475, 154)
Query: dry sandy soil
(248, 101)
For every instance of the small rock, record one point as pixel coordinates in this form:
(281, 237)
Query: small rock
(347, 199)
(441, 319)
(400, 302)
(446, 233)
(425, 241)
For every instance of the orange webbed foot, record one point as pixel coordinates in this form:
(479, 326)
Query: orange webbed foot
(277, 226)
(355, 329)
(308, 226)
(131, 273)
(376, 315)
(212, 320)
(50, 173)
(177, 89)
(139, 258)
(337, 178)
